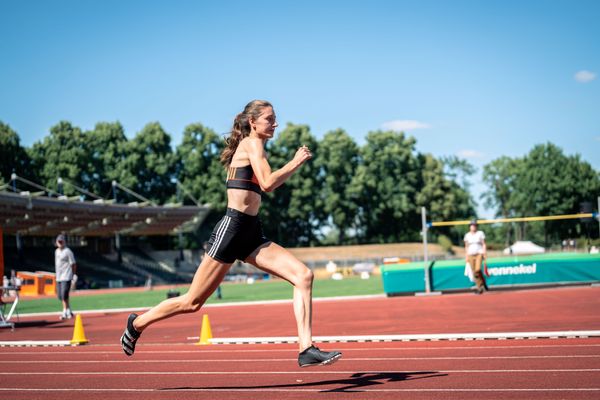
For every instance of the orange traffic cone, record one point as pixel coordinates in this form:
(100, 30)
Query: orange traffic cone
(78, 333)
(205, 331)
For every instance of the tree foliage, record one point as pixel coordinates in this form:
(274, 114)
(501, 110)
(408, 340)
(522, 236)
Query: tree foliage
(337, 160)
(63, 153)
(347, 193)
(458, 170)
(13, 157)
(543, 182)
(292, 214)
(198, 167)
(151, 161)
(444, 199)
(385, 187)
(108, 151)
(500, 176)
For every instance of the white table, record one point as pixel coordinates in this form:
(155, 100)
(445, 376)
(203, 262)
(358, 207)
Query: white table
(5, 319)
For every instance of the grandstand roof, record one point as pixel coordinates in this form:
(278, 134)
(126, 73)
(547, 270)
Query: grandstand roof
(32, 215)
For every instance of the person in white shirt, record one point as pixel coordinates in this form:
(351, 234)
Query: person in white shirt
(475, 252)
(64, 262)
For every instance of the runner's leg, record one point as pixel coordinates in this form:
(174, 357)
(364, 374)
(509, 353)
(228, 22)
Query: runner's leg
(278, 261)
(208, 276)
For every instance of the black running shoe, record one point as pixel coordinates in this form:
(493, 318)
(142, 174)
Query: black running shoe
(313, 356)
(130, 336)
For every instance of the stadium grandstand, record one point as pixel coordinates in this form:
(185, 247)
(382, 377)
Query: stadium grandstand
(104, 234)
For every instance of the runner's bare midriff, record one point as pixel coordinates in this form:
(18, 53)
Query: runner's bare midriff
(245, 201)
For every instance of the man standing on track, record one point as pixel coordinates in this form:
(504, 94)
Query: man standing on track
(64, 262)
(475, 252)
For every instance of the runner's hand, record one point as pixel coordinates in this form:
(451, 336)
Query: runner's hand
(302, 155)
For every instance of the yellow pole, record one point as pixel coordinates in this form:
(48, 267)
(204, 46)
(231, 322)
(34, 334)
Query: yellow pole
(516, 219)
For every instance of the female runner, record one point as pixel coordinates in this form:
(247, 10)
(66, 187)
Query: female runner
(239, 236)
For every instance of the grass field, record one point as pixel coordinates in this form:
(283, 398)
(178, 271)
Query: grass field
(232, 292)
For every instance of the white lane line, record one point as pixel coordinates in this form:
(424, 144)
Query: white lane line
(453, 371)
(411, 337)
(267, 350)
(35, 343)
(213, 305)
(238, 346)
(290, 389)
(241, 360)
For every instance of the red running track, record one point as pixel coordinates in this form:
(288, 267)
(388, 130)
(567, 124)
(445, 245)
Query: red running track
(167, 365)
(512, 369)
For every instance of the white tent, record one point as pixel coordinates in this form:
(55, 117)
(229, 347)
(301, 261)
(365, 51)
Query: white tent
(363, 267)
(524, 247)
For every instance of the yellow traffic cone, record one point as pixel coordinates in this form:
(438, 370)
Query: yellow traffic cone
(78, 333)
(205, 331)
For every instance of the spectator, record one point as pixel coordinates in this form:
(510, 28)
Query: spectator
(475, 252)
(64, 262)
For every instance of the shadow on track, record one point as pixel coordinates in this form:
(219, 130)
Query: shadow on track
(351, 384)
(40, 323)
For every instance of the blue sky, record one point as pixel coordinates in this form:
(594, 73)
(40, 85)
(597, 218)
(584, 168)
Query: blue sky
(477, 79)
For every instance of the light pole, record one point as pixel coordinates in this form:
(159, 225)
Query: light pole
(117, 236)
(425, 252)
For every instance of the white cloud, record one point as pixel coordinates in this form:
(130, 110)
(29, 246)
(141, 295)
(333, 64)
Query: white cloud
(403, 125)
(585, 76)
(466, 153)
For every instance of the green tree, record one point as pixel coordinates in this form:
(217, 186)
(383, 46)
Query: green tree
(500, 175)
(458, 170)
(200, 171)
(444, 198)
(63, 153)
(543, 182)
(151, 161)
(108, 148)
(13, 157)
(552, 183)
(290, 214)
(385, 187)
(198, 166)
(337, 160)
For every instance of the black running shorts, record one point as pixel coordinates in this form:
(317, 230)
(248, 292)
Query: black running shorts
(62, 289)
(235, 237)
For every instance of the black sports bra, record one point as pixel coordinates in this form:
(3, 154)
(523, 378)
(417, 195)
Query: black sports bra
(243, 178)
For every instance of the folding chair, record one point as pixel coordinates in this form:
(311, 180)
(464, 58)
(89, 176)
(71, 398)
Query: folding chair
(5, 299)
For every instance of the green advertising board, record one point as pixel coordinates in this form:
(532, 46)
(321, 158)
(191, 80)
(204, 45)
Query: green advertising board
(403, 278)
(543, 269)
